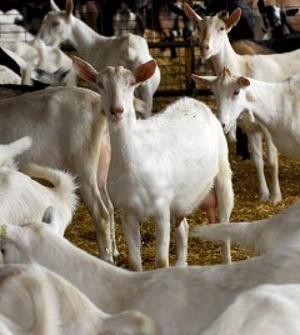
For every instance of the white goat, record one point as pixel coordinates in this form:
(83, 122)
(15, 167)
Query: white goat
(129, 51)
(165, 175)
(67, 128)
(215, 45)
(266, 309)
(7, 76)
(261, 235)
(181, 300)
(37, 55)
(275, 105)
(32, 302)
(29, 202)
(124, 21)
(9, 31)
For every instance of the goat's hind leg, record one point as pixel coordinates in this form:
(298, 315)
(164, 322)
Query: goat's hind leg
(255, 141)
(273, 162)
(225, 196)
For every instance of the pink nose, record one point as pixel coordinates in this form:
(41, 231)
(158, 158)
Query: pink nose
(205, 47)
(117, 113)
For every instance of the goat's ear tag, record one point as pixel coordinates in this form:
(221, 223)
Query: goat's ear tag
(4, 231)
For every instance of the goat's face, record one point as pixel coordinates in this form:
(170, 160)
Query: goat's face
(230, 95)
(116, 86)
(16, 243)
(26, 243)
(56, 28)
(212, 29)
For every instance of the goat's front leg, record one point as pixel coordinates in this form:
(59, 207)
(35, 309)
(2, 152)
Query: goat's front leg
(162, 229)
(131, 229)
(102, 175)
(255, 141)
(182, 232)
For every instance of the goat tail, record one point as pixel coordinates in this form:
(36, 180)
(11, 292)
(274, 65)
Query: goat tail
(62, 182)
(244, 233)
(247, 47)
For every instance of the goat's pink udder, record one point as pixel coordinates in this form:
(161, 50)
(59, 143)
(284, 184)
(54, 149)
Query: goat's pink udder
(209, 205)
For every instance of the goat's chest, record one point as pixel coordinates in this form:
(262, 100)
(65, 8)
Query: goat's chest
(133, 185)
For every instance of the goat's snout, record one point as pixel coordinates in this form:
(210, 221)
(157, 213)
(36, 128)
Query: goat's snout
(205, 47)
(117, 113)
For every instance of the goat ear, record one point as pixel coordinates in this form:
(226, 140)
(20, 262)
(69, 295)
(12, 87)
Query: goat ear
(48, 216)
(226, 72)
(223, 15)
(208, 80)
(144, 71)
(69, 7)
(54, 6)
(233, 19)
(243, 81)
(52, 218)
(85, 70)
(191, 14)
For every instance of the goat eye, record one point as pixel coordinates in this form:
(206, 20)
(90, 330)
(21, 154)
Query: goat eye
(2, 251)
(222, 28)
(55, 24)
(236, 92)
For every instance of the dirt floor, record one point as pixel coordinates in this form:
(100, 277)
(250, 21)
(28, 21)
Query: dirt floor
(247, 208)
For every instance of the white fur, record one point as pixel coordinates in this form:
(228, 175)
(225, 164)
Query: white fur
(275, 105)
(70, 133)
(266, 309)
(181, 300)
(261, 235)
(37, 55)
(7, 76)
(129, 51)
(275, 67)
(36, 301)
(167, 164)
(23, 199)
(9, 31)
(124, 24)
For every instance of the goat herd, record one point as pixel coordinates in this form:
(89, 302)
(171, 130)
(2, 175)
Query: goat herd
(161, 166)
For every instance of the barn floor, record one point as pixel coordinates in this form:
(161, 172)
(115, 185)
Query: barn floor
(247, 207)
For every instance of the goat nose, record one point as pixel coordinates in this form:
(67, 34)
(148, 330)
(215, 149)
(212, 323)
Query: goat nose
(223, 125)
(205, 47)
(117, 111)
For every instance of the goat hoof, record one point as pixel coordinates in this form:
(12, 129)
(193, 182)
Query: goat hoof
(181, 263)
(264, 197)
(276, 198)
